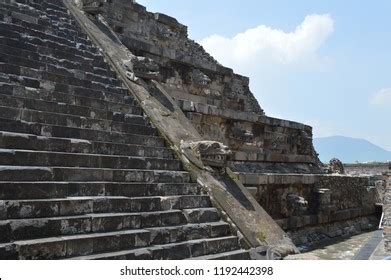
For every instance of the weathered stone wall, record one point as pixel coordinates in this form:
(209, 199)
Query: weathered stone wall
(217, 101)
(185, 66)
(324, 198)
(350, 193)
(274, 158)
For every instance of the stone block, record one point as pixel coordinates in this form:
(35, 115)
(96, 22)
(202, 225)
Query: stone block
(50, 249)
(3, 210)
(5, 232)
(341, 215)
(323, 218)
(80, 247)
(218, 230)
(253, 191)
(8, 252)
(178, 252)
(75, 207)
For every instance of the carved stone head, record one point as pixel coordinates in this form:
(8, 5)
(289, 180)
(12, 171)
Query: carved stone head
(336, 166)
(210, 153)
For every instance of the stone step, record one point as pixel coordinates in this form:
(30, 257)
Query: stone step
(201, 215)
(55, 13)
(7, 251)
(63, 33)
(133, 116)
(80, 51)
(90, 243)
(73, 111)
(73, 121)
(68, 32)
(43, 66)
(74, 206)
(173, 234)
(47, 65)
(17, 9)
(45, 190)
(53, 60)
(232, 255)
(53, 159)
(118, 95)
(81, 174)
(28, 8)
(43, 4)
(46, 4)
(39, 129)
(173, 251)
(163, 225)
(46, 39)
(51, 27)
(75, 96)
(29, 75)
(10, 140)
(58, 51)
(78, 245)
(58, 21)
(13, 173)
(24, 229)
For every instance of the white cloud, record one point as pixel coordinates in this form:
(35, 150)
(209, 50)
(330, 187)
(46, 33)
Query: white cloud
(264, 44)
(382, 98)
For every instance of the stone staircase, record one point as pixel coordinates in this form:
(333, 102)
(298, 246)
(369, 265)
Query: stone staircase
(84, 175)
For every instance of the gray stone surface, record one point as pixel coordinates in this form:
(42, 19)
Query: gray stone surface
(369, 248)
(255, 225)
(93, 163)
(84, 174)
(218, 102)
(342, 248)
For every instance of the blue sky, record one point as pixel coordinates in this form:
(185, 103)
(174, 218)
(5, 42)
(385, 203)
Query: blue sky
(324, 63)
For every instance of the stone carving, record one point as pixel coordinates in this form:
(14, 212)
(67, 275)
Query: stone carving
(199, 78)
(303, 141)
(206, 153)
(276, 142)
(93, 6)
(141, 67)
(145, 67)
(164, 32)
(277, 251)
(296, 204)
(241, 134)
(265, 253)
(128, 67)
(336, 166)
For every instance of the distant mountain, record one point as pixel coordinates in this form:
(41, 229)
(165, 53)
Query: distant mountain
(349, 150)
